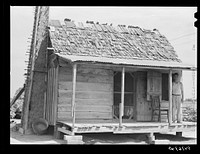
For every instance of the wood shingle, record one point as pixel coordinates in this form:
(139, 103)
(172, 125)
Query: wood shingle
(127, 43)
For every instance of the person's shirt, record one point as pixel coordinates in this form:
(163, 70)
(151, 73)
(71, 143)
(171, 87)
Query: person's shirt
(177, 88)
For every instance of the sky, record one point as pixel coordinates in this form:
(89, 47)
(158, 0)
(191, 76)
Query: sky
(176, 23)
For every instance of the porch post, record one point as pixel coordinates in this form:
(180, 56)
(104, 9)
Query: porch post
(73, 94)
(122, 98)
(170, 97)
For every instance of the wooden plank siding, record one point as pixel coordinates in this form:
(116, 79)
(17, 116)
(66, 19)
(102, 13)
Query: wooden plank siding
(142, 105)
(85, 86)
(170, 97)
(85, 94)
(65, 74)
(52, 96)
(80, 115)
(101, 101)
(85, 108)
(94, 93)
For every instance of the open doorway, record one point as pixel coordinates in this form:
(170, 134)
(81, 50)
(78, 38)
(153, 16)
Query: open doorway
(129, 95)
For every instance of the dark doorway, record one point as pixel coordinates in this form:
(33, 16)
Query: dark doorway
(165, 86)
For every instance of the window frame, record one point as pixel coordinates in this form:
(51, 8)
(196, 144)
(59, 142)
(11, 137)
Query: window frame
(166, 88)
(127, 95)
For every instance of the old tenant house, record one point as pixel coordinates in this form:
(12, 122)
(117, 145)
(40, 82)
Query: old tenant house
(90, 77)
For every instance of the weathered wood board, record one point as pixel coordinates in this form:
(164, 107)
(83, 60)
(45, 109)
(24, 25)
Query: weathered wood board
(86, 94)
(52, 96)
(143, 106)
(154, 83)
(86, 78)
(83, 69)
(137, 127)
(86, 86)
(89, 108)
(93, 96)
(79, 101)
(85, 115)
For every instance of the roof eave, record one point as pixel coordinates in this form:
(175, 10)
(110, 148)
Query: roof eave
(84, 59)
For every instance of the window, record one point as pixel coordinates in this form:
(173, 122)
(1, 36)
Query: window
(128, 93)
(165, 87)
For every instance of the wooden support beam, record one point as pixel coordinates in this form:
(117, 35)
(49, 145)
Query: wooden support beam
(122, 90)
(151, 138)
(179, 134)
(121, 108)
(56, 94)
(73, 93)
(57, 133)
(65, 131)
(170, 97)
(133, 66)
(120, 114)
(45, 97)
(26, 105)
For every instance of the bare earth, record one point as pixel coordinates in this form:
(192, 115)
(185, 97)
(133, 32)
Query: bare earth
(170, 138)
(104, 138)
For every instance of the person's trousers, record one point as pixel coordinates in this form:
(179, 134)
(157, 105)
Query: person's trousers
(176, 108)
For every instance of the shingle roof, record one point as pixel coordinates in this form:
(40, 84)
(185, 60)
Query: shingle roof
(98, 40)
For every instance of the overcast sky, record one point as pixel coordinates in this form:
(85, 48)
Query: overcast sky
(176, 23)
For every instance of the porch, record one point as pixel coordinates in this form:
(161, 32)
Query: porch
(89, 94)
(128, 94)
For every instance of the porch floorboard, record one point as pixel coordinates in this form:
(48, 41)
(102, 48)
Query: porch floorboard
(127, 127)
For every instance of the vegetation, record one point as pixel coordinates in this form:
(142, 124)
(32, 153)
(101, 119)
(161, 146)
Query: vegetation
(189, 112)
(190, 99)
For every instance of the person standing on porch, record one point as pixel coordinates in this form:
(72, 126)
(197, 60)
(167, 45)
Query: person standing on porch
(177, 98)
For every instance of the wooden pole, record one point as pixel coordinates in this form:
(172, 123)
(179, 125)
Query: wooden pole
(73, 93)
(170, 97)
(53, 95)
(56, 94)
(44, 111)
(47, 99)
(121, 108)
(27, 103)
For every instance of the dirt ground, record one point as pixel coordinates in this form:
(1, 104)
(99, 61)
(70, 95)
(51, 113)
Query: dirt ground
(106, 138)
(102, 138)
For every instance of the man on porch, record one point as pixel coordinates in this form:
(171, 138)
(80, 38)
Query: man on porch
(177, 99)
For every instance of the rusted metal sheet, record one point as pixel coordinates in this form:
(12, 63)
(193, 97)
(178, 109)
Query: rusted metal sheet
(129, 62)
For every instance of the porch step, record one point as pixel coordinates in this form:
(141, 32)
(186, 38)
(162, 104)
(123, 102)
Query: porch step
(160, 142)
(75, 139)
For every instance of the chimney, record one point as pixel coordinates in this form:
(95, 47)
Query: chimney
(66, 19)
(90, 22)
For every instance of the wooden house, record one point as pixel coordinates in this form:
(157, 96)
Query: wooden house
(102, 78)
